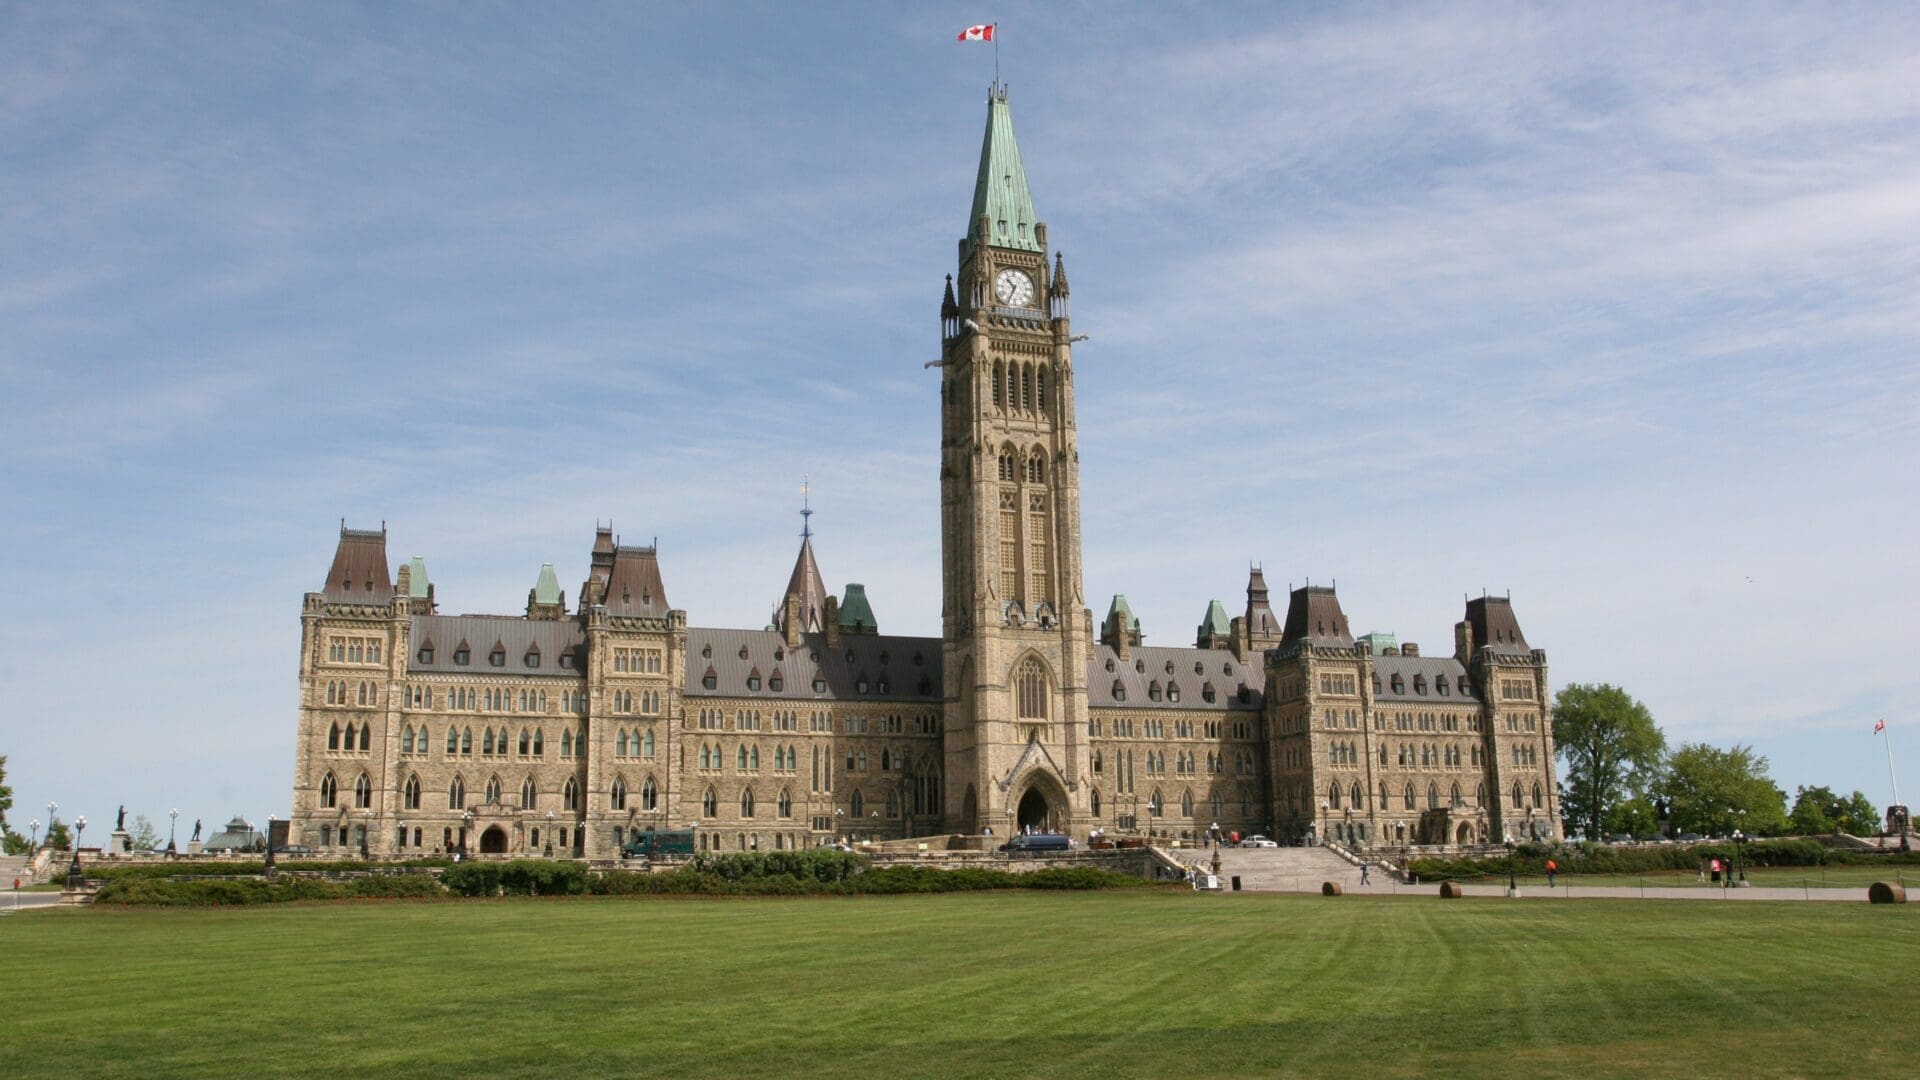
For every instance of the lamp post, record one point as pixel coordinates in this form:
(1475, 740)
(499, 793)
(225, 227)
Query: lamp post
(1739, 855)
(269, 845)
(365, 827)
(549, 844)
(838, 813)
(74, 880)
(173, 827)
(53, 808)
(403, 833)
(35, 826)
(1513, 886)
(1320, 826)
(466, 826)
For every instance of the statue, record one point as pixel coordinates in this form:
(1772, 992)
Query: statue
(120, 823)
(196, 830)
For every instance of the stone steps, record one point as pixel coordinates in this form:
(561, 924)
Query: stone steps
(1290, 869)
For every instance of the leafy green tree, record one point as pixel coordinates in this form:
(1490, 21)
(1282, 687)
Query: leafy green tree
(6, 797)
(1818, 810)
(59, 838)
(1858, 816)
(144, 835)
(1612, 749)
(15, 844)
(1716, 791)
(1635, 817)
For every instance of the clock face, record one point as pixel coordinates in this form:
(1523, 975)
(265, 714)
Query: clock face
(1013, 288)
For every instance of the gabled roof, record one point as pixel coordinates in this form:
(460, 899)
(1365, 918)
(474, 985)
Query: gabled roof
(359, 572)
(909, 668)
(1174, 667)
(1000, 191)
(634, 586)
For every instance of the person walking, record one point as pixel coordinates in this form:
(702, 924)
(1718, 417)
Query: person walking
(1364, 867)
(1552, 869)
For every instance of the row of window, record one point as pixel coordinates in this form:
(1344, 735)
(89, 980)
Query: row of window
(1020, 387)
(647, 661)
(353, 650)
(714, 718)
(1351, 796)
(1157, 806)
(342, 692)
(505, 699)
(1127, 728)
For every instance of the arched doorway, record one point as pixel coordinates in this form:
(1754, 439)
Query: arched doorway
(1464, 835)
(1035, 814)
(493, 841)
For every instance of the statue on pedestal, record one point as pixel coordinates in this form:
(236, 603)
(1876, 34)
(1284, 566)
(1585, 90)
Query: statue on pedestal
(120, 823)
(196, 830)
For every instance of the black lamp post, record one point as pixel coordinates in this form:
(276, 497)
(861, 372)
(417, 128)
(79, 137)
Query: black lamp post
(1739, 854)
(1513, 886)
(74, 878)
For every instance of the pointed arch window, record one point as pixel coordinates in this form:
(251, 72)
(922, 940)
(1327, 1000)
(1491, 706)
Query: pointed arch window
(457, 794)
(649, 795)
(362, 792)
(1218, 804)
(329, 790)
(529, 795)
(785, 805)
(1186, 803)
(333, 736)
(617, 795)
(1333, 797)
(570, 795)
(710, 803)
(493, 789)
(1094, 803)
(411, 799)
(1155, 804)
(539, 742)
(1536, 797)
(1006, 465)
(646, 748)
(746, 802)
(1036, 469)
(366, 736)
(1406, 797)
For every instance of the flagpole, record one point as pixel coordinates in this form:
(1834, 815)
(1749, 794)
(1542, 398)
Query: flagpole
(1887, 734)
(996, 53)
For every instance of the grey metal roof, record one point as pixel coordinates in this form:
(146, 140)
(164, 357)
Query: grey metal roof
(480, 632)
(908, 667)
(1430, 670)
(1150, 664)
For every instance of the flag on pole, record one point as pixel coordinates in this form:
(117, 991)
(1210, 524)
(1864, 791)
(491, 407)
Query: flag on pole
(1880, 726)
(983, 32)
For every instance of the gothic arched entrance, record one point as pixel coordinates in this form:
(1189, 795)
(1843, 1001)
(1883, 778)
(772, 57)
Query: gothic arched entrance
(493, 841)
(1035, 813)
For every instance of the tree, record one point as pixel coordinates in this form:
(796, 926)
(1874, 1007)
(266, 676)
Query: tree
(145, 836)
(58, 838)
(1818, 810)
(6, 797)
(15, 844)
(1612, 749)
(1716, 791)
(1635, 817)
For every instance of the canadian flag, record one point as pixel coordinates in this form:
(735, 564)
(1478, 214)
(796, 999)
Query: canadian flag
(1880, 727)
(983, 32)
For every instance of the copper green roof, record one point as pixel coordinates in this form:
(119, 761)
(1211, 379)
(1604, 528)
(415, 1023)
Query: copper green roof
(855, 612)
(1216, 621)
(1000, 192)
(1120, 605)
(547, 589)
(417, 577)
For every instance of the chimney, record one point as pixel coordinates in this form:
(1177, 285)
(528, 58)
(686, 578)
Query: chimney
(791, 622)
(831, 622)
(1408, 648)
(1463, 641)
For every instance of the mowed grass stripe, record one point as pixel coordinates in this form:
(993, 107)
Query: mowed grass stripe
(1020, 984)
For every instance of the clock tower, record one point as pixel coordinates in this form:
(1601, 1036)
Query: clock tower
(1015, 626)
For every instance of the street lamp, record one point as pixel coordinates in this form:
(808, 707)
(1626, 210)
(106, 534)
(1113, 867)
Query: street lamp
(1739, 854)
(173, 826)
(1513, 886)
(53, 808)
(1321, 825)
(364, 829)
(466, 826)
(549, 851)
(35, 825)
(74, 880)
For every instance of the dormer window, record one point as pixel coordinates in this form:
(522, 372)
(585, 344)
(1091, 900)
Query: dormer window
(532, 659)
(1199, 668)
(568, 659)
(743, 652)
(860, 684)
(461, 656)
(1440, 684)
(1140, 666)
(1419, 684)
(709, 681)
(1245, 695)
(1169, 667)
(1109, 663)
(779, 653)
(849, 656)
(883, 686)
(926, 686)
(1463, 686)
(426, 654)
(1173, 691)
(918, 660)
(753, 682)
(1119, 691)
(1153, 690)
(819, 685)
(498, 657)
(1399, 684)
(706, 652)
(883, 656)
(776, 682)
(1206, 693)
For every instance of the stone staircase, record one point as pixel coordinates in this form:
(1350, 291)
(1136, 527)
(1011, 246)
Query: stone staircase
(14, 866)
(1287, 869)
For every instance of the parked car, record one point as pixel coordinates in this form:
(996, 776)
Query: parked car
(1258, 841)
(293, 850)
(1620, 838)
(1689, 838)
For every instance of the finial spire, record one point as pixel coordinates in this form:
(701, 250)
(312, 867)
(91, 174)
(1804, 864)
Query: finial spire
(806, 507)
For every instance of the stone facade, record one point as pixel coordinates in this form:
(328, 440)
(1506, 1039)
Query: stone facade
(567, 728)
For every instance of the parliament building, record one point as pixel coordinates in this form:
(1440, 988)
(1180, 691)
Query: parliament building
(565, 729)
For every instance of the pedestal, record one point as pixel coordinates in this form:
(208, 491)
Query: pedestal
(193, 847)
(120, 843)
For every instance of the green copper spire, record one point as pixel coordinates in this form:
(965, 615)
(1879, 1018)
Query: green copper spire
(546, 590)
(1215, 624)
(417, 578)
(1000, 193)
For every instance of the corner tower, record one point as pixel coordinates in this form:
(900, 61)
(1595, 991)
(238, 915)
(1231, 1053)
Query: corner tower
(1016, 629)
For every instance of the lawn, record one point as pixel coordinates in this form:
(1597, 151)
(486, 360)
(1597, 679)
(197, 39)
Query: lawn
(1784, 877)
(1101, 984)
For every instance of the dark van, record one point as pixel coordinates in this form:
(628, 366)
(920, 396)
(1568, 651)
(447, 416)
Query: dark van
(1039, 842)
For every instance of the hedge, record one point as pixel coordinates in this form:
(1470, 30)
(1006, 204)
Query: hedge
(152, 892)
(101, 870)
(1591, 858)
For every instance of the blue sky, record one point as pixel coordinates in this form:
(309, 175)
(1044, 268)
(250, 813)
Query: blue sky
(1615, 311)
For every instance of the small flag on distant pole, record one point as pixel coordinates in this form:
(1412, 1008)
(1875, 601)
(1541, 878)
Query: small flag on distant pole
(1880, 726)
(983, 32)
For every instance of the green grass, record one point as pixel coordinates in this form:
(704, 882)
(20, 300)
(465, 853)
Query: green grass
(1786, 877)
(1101, 984)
